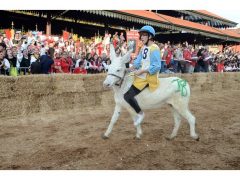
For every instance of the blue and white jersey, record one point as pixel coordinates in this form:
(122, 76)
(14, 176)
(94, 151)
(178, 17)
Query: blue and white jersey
(148, 59)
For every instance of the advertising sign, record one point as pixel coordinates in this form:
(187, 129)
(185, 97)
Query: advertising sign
(133, 37)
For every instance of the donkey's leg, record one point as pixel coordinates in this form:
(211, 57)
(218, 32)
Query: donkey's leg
(177, 122)
(139, 131)
(138, 127)
(114, 119)
(192, 121)
(184, 111)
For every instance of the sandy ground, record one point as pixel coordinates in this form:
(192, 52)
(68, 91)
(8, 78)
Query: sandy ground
(72, 139)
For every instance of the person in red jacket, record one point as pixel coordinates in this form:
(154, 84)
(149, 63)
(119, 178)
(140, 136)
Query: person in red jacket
(220, 66)
(167, 56)
(81, 69)
(70, 60)
(61, 65)
(65, 64)
(187, 55)
(56, 66)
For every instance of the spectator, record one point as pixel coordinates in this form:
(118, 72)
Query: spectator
(99, 65)
(36, 67)
(78, 59)
(4, 64)
(105, 64)
(166, 58)
(35, 55)
(64, 63)
(206, 59)
(46, 63)
(220, 66)
(30, 38)
(24, 60)
(42, 50)
(115, 39)
(94, 63)
(193, 60)
(122, 38)
(179, 64)
(200, 64)
(88, 64)
(80, 69)
(187, 56)
(1, 38)
(12, 58)
(51, 50)
(70, 60)
(56, 67)
(35, 64)
(2, 46)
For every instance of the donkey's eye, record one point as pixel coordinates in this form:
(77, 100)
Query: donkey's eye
(118, 70)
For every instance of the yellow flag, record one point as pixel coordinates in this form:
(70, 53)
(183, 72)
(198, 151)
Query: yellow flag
(81, 39)
(75, 37)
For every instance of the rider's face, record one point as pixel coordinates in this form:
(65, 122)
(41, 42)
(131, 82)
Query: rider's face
(144, 37)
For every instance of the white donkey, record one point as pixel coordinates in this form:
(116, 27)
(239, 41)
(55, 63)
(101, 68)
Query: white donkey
(172, 90)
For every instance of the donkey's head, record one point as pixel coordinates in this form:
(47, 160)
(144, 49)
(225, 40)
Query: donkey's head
(117, 68)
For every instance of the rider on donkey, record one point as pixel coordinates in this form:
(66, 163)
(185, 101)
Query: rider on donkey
(146, 66)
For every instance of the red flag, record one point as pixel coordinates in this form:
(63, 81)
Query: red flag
(8, 33)
(65, 35)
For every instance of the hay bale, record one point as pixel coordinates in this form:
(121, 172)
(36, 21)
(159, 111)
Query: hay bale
(24, 95)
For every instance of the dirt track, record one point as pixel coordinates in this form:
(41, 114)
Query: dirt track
(71, 139)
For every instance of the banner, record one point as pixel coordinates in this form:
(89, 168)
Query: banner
(65, 35)
(133, 37)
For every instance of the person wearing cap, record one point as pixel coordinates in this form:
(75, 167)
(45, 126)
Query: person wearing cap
(146, 68)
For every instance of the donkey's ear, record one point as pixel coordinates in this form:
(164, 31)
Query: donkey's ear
(126, 58)
(112, 52)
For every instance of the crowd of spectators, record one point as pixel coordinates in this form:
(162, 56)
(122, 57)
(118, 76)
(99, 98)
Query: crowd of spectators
(32, 54)
(185, 58)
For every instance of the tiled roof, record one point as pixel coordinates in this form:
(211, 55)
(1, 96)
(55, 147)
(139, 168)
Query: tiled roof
(230, 32)
(180, 22)
(146, 14)
(191, 25)
(211, 14)
(237, 30)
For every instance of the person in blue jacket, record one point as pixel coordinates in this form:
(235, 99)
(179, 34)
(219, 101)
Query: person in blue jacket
(146, 68)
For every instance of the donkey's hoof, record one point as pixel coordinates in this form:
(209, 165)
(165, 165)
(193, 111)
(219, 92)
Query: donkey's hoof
(105, 137)
(137, 138)
(169, 138)
(198, 138)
